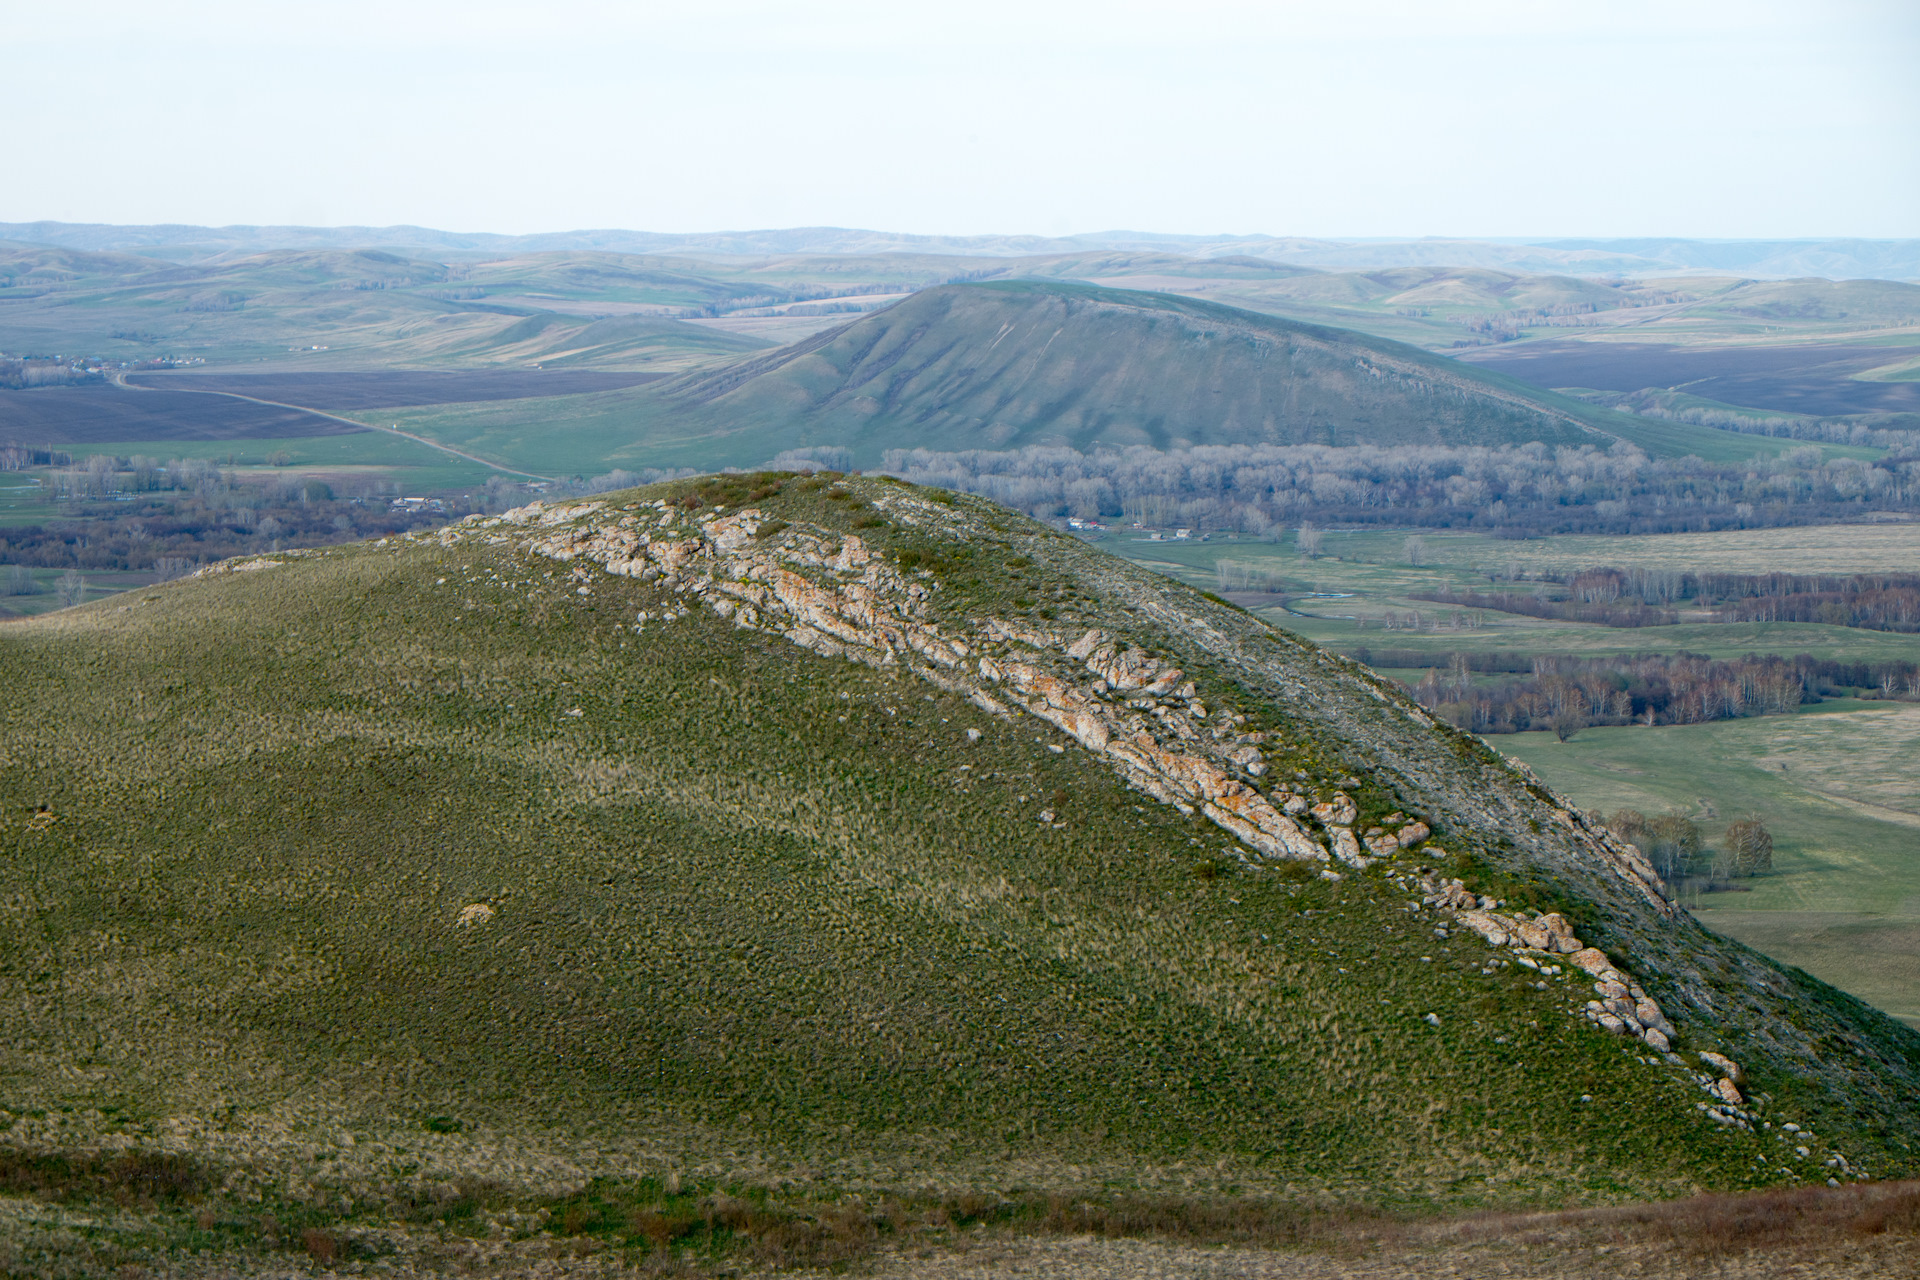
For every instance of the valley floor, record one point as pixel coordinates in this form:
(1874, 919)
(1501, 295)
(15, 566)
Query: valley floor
(1837, 783)
(1840, 787)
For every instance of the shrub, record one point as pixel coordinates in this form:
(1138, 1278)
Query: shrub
(321, 1247)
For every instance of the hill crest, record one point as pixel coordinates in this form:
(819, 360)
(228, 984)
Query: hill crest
(1001, 365)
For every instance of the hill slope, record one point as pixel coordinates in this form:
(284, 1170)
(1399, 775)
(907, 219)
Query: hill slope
(834, 835)
(1003, 365)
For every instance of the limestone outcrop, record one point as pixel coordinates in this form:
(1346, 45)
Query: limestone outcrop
(1621, 1005)
(830, 593)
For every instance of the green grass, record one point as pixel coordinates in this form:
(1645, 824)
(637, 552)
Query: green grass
(99, 583)
(1835, 784)
(773, 922)
(273, 310)
(21, 500)
(1369, 571)
(581, 434)
(1445, 301)
(420, 466)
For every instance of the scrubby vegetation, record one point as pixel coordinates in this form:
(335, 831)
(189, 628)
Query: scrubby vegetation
(383, 879)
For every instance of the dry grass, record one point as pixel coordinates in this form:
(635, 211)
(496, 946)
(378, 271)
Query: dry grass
(652, 1228)
(1861, 1231)
(1826, 548)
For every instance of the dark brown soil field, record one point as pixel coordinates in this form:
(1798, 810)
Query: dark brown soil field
(1796, 379)
(346, 392)
(63, 417)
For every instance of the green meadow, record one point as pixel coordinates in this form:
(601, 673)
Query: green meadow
(1837, 783)
(1839, 787)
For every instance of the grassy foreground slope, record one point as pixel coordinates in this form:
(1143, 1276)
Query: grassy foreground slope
(1004, 364)
(377, 868)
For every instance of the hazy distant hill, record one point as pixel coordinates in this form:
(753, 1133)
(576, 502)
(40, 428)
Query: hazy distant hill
(1834, 258)
(1004, 365)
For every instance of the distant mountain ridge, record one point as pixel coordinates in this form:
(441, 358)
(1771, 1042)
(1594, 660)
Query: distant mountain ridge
(1829, 257)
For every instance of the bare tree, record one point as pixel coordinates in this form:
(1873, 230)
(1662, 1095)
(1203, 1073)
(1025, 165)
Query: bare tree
(72, 588)
(1749, 847)
(1416, 550)
(1308, 541)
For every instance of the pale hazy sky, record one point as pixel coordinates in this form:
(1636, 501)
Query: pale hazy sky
(1362, 119)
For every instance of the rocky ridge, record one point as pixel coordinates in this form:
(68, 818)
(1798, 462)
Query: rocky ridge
(832, 592)
(1536, 942)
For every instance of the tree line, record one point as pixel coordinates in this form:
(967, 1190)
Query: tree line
(1644, 598)
(1529, 489)
(1565, 694)
(201, 515)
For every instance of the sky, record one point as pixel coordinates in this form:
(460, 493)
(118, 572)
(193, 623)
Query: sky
(1372, 118)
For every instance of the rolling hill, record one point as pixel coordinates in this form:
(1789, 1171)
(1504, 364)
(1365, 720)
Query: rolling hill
(346, 309)
(1834, 258)
(1004, 365)
(738, 845)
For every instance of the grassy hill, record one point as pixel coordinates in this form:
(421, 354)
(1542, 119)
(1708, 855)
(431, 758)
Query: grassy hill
(348, 309)
(1004, 365)
(428, 305)
(779, 837)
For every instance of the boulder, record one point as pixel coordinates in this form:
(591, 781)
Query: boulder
(1532, 934)
(1489, 927)
(1591, 959)
(1650, 1015)
(1337, 812)
(1347, 848)
(1383, 844)
(1724, 1065)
